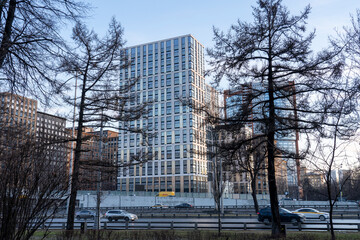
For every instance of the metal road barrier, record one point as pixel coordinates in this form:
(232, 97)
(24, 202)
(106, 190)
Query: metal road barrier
(238, 225)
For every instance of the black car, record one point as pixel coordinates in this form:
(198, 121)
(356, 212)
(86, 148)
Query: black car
(184, 205)
(264, 215)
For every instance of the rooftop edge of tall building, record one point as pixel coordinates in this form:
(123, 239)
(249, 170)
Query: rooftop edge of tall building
(166, 39)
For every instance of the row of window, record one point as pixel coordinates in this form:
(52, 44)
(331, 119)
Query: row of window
(176, 94)
(164, 137)
(159, 138)
(157, 184)
(161, 123)
(149, 48)
(18, 101)
(165, 80)
(165, 168)
(168, 152)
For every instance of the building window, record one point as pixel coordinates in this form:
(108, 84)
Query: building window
(162, 153)
(177, 136)
(169, 168)
(168, 94)
(184, 136)
(168, 122)
(176, 107)
(163, 170)
(176, 79)
(184, 123)
(177, 151)
(156, 170)
(177, 121)
(162, 109)
(168, 80)
(162, 138)
(168, 108)
(168, 152)
(168, 137)
(150, 83)
(156, 82)
(162, 123)
(162, 95)
(156, 110)
(150, 96)
(162, 80)
(176, 92)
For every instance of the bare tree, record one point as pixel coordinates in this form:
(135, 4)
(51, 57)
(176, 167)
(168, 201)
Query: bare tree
(351, 40)
(329, 155)
(216, 170)
(33, 181)
(271, 57)
(251, 160)
(103, 102)
(351, 189)
(30, 43)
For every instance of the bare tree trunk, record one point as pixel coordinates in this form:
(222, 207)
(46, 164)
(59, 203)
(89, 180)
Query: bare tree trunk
(219, 216)
(331, 204)
(271, 150)
(76, 165)
(98, 202)
(5, 43)
(253, 194)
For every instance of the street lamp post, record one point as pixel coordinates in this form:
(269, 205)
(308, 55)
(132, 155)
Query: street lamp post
(88, 200)
(72, 146)
(98, 189)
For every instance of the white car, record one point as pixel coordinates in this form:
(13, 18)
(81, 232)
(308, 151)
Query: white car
(159, 206)
(311, 213)
(120, 214)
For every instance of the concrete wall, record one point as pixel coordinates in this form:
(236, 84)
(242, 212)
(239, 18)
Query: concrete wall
(118, 201)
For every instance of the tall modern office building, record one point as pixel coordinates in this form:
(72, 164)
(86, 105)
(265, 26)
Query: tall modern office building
(256, 96)
(170, 72)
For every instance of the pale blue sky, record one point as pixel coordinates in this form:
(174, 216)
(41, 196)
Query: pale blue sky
(151, 20)
(147, 21)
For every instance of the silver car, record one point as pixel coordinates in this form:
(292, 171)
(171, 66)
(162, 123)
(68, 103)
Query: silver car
(85, 214)
(312, 213)
(120, 214)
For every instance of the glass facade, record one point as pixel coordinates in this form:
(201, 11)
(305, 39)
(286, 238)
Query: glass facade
(169, 73)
